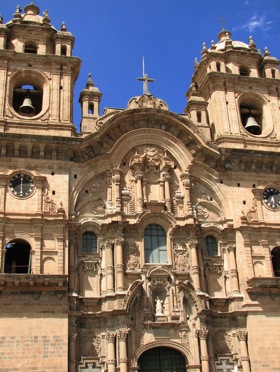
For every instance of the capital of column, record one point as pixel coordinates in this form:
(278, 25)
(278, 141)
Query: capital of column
(138, 175)
(119, 241)
(166, 176)
(245, 359)
(202, 334)
(109, 243)
(192, 244)
(242, 335)
(122, 335)
(110, 337)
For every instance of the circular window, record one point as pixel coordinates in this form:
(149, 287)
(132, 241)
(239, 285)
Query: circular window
(21, 185)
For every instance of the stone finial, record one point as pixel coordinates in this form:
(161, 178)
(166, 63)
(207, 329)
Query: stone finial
(90, 82)
(266, 52)
(204, 50)
(213, 46)
(17, 14)
(63, 27)
(195, 63)
(46, 18)
(252, 45)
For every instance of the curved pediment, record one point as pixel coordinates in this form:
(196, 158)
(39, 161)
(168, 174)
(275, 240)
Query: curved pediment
(119, 123)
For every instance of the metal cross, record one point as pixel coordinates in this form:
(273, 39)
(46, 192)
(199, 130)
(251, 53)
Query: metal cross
(222, 22)
(145, 80)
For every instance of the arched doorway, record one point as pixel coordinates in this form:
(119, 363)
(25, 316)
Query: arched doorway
(18, 257)
(162, 359)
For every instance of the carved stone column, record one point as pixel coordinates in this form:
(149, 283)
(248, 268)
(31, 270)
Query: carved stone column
(233, 269)
(185, 177)
(161, 190)
(72, 345)
(166, 177)
(123, 350)
(109, 266)
(139, 193)
(202, 334)
(109, 191)
(119, 264)
(242, 337)
(103, 268)
(117, 180)
(111, 354)
(195, 266)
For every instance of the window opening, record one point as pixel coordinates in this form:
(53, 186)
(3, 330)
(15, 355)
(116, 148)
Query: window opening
(244, 71)
(91, 108)
(30, 48)
(18, 257)
(218, 66)
(251, 119)
(198, 114)
(27, 100)
(89, 242)
(211, 246)
(155, 244)
(275, 256)
(63, 50)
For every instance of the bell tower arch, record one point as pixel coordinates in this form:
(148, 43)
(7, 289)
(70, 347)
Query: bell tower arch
(37, 74)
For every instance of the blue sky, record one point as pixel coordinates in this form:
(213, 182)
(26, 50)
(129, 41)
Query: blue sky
(113, 35)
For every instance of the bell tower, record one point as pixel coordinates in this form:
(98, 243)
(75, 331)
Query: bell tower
(236, 89)
(37, 75)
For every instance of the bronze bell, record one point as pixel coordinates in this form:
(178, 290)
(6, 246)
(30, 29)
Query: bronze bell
(252, 126)
(26, 107)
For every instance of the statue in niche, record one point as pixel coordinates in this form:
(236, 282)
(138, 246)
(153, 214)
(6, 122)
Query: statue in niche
(159, 307)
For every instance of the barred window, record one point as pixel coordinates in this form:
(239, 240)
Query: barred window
(155, 244)
(211, 246)
(89, 242)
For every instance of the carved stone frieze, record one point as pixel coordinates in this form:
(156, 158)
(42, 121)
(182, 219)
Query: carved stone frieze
(252, 215)
(89, 263)
(181, 257)
(132, 255)
(49, 206)
(92, 198)
(146, 101)
(215, 265)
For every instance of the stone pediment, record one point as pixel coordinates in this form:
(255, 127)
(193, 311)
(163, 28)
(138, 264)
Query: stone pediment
(146, 101)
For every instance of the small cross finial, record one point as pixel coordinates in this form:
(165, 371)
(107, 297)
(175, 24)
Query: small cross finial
(145, 80)
(222, 21)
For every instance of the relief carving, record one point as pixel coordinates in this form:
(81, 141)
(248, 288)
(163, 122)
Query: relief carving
(88, 263)
(132, 258)
(215, 265)
(49, 206)
(93, 197)
(181, 257)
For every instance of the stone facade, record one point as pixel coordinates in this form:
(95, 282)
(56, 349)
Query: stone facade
(149, 237)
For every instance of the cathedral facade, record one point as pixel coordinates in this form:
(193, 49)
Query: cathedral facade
(149, 240)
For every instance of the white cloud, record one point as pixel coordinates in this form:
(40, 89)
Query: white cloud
(256, 23)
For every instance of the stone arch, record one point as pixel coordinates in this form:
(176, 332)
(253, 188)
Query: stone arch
(49, 266)
(254, 105)
(18, 257)
(40, 98)
(168, 344)
(177, 150)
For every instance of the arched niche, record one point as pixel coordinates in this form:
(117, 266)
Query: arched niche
(255, 115)
(17, 257)
(28, 94)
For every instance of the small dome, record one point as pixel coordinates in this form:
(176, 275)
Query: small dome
(225, 35)
(31, 16)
